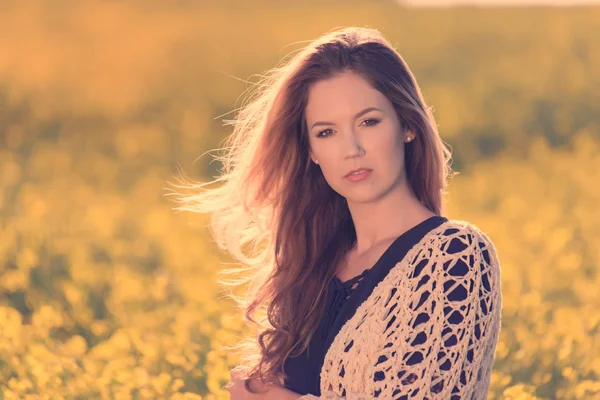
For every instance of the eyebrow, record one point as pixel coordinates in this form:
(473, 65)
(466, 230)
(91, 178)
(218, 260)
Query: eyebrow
(366, 110)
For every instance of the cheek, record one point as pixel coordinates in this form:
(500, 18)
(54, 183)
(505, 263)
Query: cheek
(391, 150)
(327, 154)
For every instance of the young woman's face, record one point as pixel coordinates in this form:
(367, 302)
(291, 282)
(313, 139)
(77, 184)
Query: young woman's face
(343, 136)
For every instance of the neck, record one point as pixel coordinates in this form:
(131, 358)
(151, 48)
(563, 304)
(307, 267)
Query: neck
(386, 217)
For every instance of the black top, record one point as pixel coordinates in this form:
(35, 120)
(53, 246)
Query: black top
(342, 302)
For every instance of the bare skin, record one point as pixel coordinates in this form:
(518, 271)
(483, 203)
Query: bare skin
(383, 206)
(237, 390)
(354, 264)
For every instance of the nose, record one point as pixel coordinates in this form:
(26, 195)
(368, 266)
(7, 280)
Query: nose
(352, 145)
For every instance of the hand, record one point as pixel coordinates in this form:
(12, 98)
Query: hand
(237, 390)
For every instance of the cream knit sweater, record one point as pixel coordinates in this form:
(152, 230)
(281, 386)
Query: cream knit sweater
(381, 353)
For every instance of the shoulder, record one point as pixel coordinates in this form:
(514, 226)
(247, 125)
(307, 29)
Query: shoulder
(456, 228)
(459, 237)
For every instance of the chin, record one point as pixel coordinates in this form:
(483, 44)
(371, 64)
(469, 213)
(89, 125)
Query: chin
(361, 195)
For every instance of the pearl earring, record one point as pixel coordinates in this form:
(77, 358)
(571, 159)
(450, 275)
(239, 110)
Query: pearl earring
(408, 139)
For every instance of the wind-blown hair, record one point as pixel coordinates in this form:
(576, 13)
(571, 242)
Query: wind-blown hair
(275, 199)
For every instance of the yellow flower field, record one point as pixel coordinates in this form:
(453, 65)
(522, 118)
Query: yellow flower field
(107, 293)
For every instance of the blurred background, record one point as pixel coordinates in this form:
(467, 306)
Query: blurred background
(106, 292)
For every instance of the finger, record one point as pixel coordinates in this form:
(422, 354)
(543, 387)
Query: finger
(235, 373)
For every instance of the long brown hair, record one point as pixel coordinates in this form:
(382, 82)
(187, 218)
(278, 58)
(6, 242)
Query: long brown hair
(275, 199)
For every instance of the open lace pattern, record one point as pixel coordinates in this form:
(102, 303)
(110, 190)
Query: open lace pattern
(429, 329)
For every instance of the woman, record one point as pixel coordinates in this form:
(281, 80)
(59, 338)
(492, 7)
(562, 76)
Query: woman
(335, 174)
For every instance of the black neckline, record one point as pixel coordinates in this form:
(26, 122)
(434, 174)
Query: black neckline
(352, 280)
(393, 254)
(307, 367)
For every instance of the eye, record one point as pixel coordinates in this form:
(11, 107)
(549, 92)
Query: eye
(320, 134)
(374, 121)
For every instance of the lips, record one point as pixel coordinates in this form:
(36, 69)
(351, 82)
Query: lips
(357, 170)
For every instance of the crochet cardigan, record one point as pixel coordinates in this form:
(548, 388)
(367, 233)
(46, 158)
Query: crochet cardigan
(384, 352)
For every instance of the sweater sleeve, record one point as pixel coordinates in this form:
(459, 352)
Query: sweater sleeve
(436, 347)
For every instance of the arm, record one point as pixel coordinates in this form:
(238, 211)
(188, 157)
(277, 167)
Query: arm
(333, 396)
(452, 325)
(281, 393)
(435, 351)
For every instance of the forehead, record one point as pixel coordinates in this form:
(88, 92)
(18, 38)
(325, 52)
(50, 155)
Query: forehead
(341, 95)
